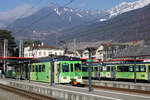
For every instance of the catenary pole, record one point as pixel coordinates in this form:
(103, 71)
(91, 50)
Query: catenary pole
(90, 70)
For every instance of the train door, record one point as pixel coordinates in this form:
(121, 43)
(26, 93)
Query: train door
(96, 71)
(56, 72)
(37, 71)
(52, 73)
(149, 73)
(72, 72)
(113, 72)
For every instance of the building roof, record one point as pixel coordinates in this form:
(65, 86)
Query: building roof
(80, 51)
(134, 51)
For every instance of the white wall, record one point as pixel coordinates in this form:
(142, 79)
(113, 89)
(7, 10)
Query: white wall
(42, 52)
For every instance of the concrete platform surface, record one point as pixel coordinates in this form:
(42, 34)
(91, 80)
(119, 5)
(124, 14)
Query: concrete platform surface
(118, 84)
(79, 93)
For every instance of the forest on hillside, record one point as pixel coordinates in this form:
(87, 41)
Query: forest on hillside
(4, 34)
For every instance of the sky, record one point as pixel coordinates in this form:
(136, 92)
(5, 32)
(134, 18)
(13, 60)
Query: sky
(6, 5)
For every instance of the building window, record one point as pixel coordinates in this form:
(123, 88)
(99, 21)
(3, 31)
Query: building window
(40, 53)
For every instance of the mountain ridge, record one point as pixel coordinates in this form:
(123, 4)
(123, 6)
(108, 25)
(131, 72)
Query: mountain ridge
(53, 26)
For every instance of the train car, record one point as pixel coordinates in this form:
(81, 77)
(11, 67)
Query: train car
(60, 70)
(16, 70)
(126, 71)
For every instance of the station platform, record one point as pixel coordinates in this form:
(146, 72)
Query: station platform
(63, 92)
(119, 84)
(5, 82)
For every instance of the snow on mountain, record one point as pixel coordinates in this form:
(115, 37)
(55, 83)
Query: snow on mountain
(79, 15)
(103, 19)
(57, 11)
(127, 6)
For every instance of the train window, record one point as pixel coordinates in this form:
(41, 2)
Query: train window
(36, 68)
(77, 67)
(142, 68)
(130, 68)
(113, 68)
(96, 69)
(84, 69)
(148, 68)
(104, 68)
(40, 68)
(92, 69)
(33, 69)
(43, 68)
(101, 69)
(137, 69)
(123, 69)
(71, 67)
(108, 68)
(65, 67)
(58, 68)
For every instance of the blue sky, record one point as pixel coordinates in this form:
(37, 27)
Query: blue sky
(83, 4)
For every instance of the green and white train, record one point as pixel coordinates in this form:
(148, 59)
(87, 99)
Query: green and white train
(117, 71)
(58, 70)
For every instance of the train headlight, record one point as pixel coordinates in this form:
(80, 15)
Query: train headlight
(79, 77)
(64, 77)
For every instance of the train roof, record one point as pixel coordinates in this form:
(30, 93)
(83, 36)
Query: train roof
(57, 58)
(126, 63)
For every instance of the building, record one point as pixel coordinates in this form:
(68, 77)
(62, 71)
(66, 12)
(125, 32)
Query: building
(109, 50)
(85, 53)
(79, 53)
(42, 51)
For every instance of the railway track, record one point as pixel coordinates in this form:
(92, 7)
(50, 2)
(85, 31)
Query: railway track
(19, 94)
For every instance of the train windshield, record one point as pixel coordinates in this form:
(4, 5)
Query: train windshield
(65, 67)
(77, 67)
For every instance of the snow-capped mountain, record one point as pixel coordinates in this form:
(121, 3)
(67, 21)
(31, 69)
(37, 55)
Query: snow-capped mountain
(127, 6)
(62, 18)
(53, 19)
